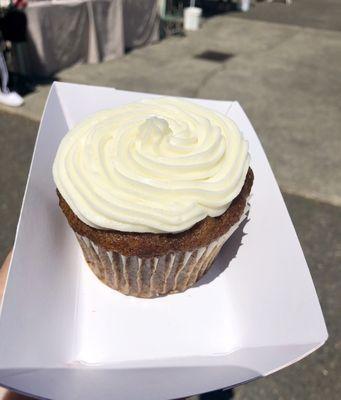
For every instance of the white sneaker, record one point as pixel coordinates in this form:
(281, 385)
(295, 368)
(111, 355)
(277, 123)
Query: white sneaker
(12, 99)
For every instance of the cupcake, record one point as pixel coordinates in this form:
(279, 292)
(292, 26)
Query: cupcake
(152, 191)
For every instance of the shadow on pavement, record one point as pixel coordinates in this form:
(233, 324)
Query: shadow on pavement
(217, 395)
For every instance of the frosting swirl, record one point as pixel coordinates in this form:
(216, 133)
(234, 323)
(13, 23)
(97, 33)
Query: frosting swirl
(159, 165)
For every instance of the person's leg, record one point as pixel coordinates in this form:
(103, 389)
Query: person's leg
(3, 73)
(7, 97)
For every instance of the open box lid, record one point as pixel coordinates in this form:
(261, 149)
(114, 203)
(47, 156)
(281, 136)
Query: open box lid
(63, 334)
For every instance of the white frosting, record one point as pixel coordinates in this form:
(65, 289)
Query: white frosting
(159, 165)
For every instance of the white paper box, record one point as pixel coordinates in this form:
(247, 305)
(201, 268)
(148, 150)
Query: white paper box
(64, 335)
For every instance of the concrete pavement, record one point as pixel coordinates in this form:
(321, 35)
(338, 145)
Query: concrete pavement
(17, 137)
(287, 78)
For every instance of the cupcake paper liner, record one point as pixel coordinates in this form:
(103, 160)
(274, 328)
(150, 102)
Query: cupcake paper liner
(151, 277)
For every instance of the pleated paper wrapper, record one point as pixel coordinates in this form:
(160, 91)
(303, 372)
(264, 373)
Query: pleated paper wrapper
(155, 276)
